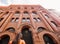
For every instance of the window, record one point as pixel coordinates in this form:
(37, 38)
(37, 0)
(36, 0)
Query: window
(28, 19)
(10, 7)
(17, 13)
(40, 29)
(17, 19)
(34, 13)
(26, 13)
(35, 19)
(6, 13)
(12, 20)
(32, 8)
(48, 39)
(53, 23)
(11, 29)
(18, 7)
(25, 7)
(46, 16)
(1, 19)
(1, 12)
(23, 20)
(38, 19)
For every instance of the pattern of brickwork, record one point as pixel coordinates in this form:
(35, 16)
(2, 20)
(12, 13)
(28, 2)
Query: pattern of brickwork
(37, 19)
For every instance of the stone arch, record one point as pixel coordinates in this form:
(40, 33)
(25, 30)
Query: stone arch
(4, 39)
(54, 23)
(40, 29)
(52, 35)
(27, 34)
(27, 25)
(8, 33)
(49, 39)
(10, 29)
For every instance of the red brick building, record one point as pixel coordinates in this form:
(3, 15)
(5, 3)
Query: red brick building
(37, 25)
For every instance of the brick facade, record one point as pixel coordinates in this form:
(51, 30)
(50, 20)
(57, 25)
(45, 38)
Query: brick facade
(33, 21)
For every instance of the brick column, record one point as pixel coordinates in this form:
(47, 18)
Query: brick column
(52, 26)
(20, 19)
(35, 38)
(55, 17)
(32, 21)
(6, 22)
(45, 22)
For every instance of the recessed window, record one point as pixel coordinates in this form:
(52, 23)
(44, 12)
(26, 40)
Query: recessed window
(40, 29)
(18, 7)
(12, 20)
(23, 20)
(32, 8)
(25, 7)
(46, 16)
(38, 19)
(6, 13)
(11, 29)
(35, 19)
(34, 13)
(17, 19)
(28, 19)
(17, 13)
(1, 19)
(26, 13)
(53, 23)
(48, 39)
(10, 7)
(1, 12)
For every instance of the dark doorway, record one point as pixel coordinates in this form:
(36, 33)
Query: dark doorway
(48, 39)
(27, 35)
(4, 39)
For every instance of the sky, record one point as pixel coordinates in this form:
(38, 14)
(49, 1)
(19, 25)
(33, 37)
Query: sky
(49, 4)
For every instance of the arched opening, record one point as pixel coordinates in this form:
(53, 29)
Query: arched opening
(40, 29)
(1, 19)
(54, 23)
(27, 35)
(4, 39)
(48, 39)
(26, 12)
(17, 13)
(34, 13)
(11, 29)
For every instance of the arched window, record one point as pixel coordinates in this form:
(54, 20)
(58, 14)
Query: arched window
(4, 39)
(28, 19)
(46, 16)
(23, 20)
(18, 7)
(13, 20)
(32, 7)
(6, 13)
(34, 13)
(35, 19)
(26, 13)
(25, 7)
(40, 29)
(1, 12)
(11, 29)
(17, 19)
(38, 19)
(48, 39)
(53, 23)
(1, 19)
(10, 8)
(17, 13)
